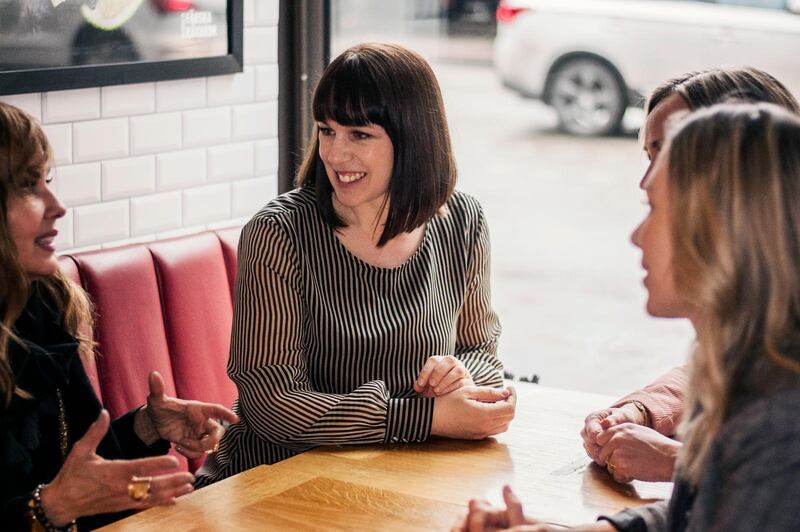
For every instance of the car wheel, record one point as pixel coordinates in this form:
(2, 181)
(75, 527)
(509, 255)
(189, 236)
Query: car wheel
(588, 96)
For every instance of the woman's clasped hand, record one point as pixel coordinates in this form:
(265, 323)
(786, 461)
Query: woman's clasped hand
(619, 437)
(473, 412)
(463, 410)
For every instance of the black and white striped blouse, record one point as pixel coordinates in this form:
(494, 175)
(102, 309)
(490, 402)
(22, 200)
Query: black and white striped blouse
(325, 348)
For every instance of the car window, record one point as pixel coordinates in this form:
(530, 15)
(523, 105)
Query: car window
(766, 4)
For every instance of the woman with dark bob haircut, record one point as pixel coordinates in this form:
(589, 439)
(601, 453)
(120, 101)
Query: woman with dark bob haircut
(363, 309)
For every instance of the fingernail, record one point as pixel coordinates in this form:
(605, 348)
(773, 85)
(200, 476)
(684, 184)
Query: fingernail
(506, 393)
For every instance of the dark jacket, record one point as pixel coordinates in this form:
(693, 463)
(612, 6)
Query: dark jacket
(29, 439)
(750, 481)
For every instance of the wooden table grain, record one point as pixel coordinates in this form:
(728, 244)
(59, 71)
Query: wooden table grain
(418, 486)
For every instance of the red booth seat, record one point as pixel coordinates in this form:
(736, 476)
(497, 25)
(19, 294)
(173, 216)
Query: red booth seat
(167, 306)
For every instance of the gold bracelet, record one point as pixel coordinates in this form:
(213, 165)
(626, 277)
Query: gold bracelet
(643, 409)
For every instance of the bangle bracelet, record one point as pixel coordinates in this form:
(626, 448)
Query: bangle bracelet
(643, 409)
(40, 518)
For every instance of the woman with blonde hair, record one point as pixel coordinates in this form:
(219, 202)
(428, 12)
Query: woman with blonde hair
(634, 437)
(63, 464)
(721, 246)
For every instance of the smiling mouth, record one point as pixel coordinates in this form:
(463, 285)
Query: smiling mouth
(46, 241)
(350, 177)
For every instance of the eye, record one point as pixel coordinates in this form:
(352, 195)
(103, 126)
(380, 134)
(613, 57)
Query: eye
(30, 182)
(360, 135)
(325, 131)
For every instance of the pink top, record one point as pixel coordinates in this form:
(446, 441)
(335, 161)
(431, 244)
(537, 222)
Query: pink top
(663, 399)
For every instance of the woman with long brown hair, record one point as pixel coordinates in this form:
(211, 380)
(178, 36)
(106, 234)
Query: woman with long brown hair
(721, 246)
(62, 462)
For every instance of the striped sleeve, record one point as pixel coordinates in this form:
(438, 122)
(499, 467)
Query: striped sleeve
(268, 361)
(478, 327)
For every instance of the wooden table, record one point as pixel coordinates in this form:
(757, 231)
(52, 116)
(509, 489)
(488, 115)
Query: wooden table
(418, 486)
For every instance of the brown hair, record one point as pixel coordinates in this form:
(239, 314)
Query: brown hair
(708, 87)
(734, 180)
(395, 88)
(25, 154)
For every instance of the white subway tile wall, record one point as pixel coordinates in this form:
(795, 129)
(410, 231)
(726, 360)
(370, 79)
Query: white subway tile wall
(181, 169)
(78, 184)
(266, 156)
(206, 204)
(96, 140)
(60, 136)
(206, 127)
(102, 222)
(230, 162)
(160, 212)
(30, 103)
(155, 133)
(252, 121)
(125, 178)
(69, 106)
(156, 160)
(180, 94)
(122, 100)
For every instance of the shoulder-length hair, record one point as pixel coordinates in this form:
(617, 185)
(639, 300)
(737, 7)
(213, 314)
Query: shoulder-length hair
(25, 154)
(708, 87)
(733, 185)
(395, 88)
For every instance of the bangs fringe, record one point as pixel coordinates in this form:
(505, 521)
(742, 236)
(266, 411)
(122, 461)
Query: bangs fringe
(350, 96)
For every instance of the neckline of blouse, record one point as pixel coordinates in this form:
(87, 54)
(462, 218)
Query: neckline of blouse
(366, 265)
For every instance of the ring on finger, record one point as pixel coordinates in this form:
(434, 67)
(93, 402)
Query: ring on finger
(611, 467)
(139, 488)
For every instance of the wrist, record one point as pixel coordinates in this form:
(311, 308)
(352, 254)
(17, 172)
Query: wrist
(57, 512)
(638, 411)
(144, 427)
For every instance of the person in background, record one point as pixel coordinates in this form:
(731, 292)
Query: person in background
(720, 247)
(63, 464)
(634, 437)
(363, 310)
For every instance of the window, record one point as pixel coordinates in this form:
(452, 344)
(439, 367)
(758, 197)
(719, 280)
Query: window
(550, 149)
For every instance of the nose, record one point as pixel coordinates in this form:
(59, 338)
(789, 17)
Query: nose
(53, 207)
(646, 174)
(636, 236)
(339, 150)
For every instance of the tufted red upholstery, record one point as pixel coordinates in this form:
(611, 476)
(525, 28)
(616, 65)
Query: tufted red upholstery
(68, 267)
(229, 238)
(165, 306)
(197, 313)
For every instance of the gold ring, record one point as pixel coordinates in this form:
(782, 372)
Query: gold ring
(139, 488)
(611, 467)
(213, 449)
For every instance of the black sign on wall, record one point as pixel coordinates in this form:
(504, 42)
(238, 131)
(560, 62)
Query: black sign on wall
(69, 44)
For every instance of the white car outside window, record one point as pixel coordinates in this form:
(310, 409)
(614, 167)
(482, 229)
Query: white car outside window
(591, 59)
